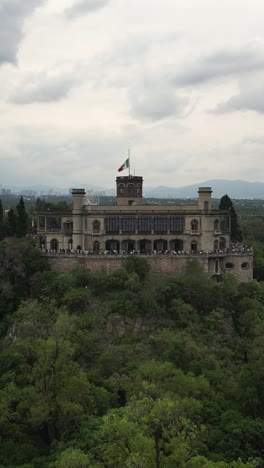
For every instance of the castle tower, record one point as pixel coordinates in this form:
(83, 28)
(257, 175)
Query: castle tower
(129, 190)
(78, 202)
(205, 198)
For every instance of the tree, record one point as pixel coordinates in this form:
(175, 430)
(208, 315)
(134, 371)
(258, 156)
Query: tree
(72, 458)
(11, 223)
(227, 204)
(2, 226)
(137, 265)
(151, 433)
(1, 212)
(19, 261)
(22, 219)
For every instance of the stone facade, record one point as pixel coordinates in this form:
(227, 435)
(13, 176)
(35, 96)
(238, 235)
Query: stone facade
(166, 234)
(238, 264)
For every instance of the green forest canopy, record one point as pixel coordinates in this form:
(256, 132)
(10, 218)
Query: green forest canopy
(128, 369)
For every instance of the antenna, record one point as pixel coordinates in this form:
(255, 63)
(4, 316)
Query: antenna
(92, 198)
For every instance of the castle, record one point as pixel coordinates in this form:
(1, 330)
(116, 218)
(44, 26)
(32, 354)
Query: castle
(166, 234)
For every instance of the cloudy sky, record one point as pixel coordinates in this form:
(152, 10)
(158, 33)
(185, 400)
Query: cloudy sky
(180, 82)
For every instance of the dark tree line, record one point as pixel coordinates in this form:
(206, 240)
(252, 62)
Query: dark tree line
(15, 224)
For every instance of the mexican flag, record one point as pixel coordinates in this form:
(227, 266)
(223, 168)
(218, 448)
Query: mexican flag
(124, 166)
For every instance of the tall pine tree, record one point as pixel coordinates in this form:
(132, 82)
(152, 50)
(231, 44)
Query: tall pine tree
(21, 219)
(2, 226)
(11, 223)
(1, 212)
(227, 204)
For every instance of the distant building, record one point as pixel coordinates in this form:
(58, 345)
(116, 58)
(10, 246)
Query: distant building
(5, 192)
(130, 226)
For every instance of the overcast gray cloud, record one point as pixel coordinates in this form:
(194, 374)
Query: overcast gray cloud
(85, 6)
(13, 14)
(156, 102)
(246, 59)
(43, 87)
(139, 74)
(250, 98)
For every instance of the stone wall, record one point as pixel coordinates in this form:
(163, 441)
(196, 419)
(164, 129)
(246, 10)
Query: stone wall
(241, 266)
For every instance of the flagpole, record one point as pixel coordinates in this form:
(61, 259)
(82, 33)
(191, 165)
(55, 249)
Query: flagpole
(129, 162)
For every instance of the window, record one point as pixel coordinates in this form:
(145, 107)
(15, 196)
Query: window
(206, 206)
(176, 225)
(224, 223)
(217, 269)
(229, 266)
(130, 189)
(54, 223)
(112, 225)
(194, 246)
(216, 225)
(96, 226)
(144, 225)
(245, 266)
(54, 244)
(194, 225)
(222, 243)
(160, 224)
(121, 189)
(128, 225)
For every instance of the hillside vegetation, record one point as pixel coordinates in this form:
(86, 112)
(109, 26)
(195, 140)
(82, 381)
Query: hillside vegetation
(128, 369)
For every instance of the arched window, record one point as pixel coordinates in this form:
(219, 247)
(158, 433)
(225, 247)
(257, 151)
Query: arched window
(121, 188)
(216, 224)
(96, 226)
(194, 246)
(54, 245)
(130, 189)
(194, 225)
(206, 206)
(216, 245)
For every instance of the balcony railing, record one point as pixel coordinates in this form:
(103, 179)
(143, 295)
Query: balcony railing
(54, 228)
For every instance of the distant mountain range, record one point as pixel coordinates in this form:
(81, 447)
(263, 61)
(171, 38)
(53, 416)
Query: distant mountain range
(220, 187)
(233, 188)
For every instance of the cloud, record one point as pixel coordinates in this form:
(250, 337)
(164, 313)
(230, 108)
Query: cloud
(43, 87)
(224, 63)
(85, 6)
(156, 101)
(250, 98)
(65, 157)
(13, 14)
